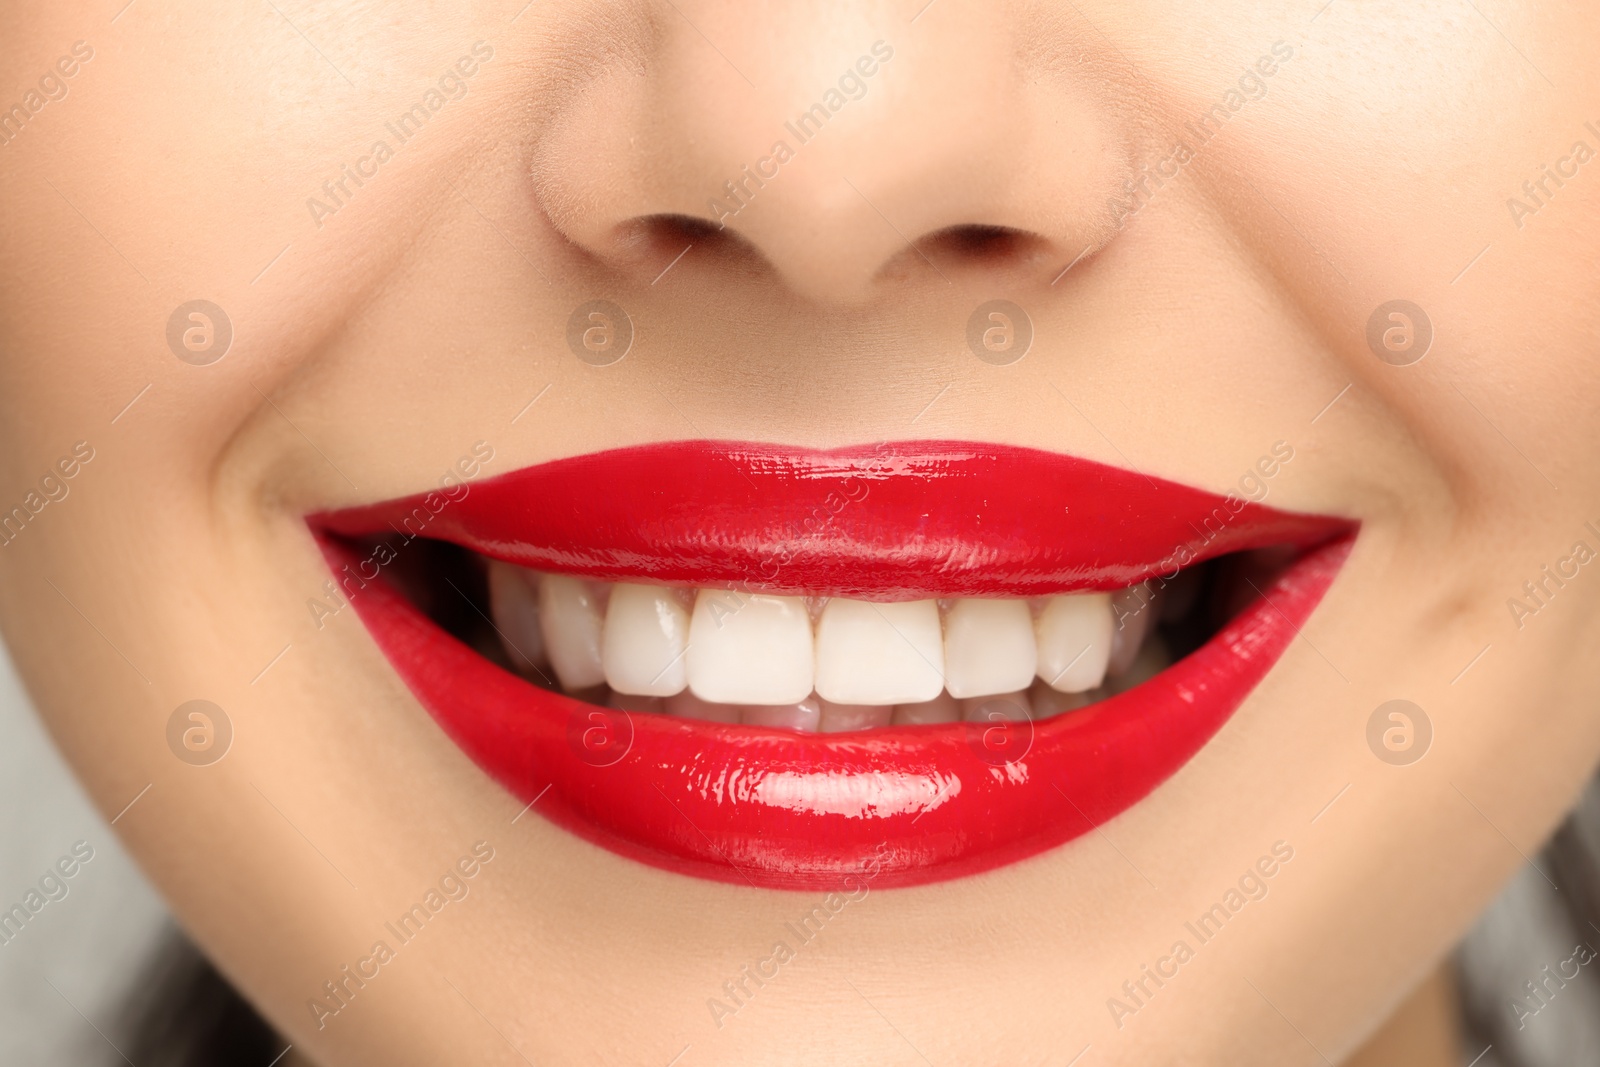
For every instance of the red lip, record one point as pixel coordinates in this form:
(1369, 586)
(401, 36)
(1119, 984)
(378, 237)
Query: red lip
(909, 805)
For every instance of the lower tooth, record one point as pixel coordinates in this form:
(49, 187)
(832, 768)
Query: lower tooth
(569, 616)
(589, 694)
(1046, 701)
(843, 718)
(1007, 707)
(1152, 659)
(1133, 611)
(804, 717)
(688, 706)
(942, 708)
(630, 702)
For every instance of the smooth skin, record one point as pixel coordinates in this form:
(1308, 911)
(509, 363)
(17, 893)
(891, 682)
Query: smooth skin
(375, 344)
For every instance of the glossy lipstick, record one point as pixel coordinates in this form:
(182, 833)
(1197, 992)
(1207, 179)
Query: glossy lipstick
(907, 520)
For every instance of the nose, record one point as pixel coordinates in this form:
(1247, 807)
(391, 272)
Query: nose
(840, 153)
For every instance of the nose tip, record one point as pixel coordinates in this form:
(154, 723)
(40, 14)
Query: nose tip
(834, 177)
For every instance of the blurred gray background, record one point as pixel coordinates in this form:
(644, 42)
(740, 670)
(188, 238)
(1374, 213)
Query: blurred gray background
(70, 968)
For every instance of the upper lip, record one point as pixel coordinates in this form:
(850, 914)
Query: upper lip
(897, 521)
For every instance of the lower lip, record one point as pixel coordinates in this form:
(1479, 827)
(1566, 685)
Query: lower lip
(776, 810)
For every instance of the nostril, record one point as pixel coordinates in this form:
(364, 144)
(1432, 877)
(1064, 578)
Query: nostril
(983, 245)
(686, 226)
(645, 235)
(648, 240)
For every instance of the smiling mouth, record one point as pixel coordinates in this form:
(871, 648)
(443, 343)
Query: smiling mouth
(781, 667)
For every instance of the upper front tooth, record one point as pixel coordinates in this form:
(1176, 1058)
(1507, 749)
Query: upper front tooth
(514, 605)
(646, 632)
(569, 614)
(750, 649)
(879, 653)
(989, 648)
(1075, 641)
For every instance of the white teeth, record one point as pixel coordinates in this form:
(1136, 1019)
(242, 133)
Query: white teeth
(842, 718)
(760, 660)
(746, 649)
(804, 717)
(879, 653)
(646, 632)
(569, 616)
(989, 648)
(514, 605)
(942, 708)
(1075, 641)
(1132, 612)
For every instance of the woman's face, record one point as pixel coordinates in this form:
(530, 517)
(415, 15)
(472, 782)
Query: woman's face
(1241, 192)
